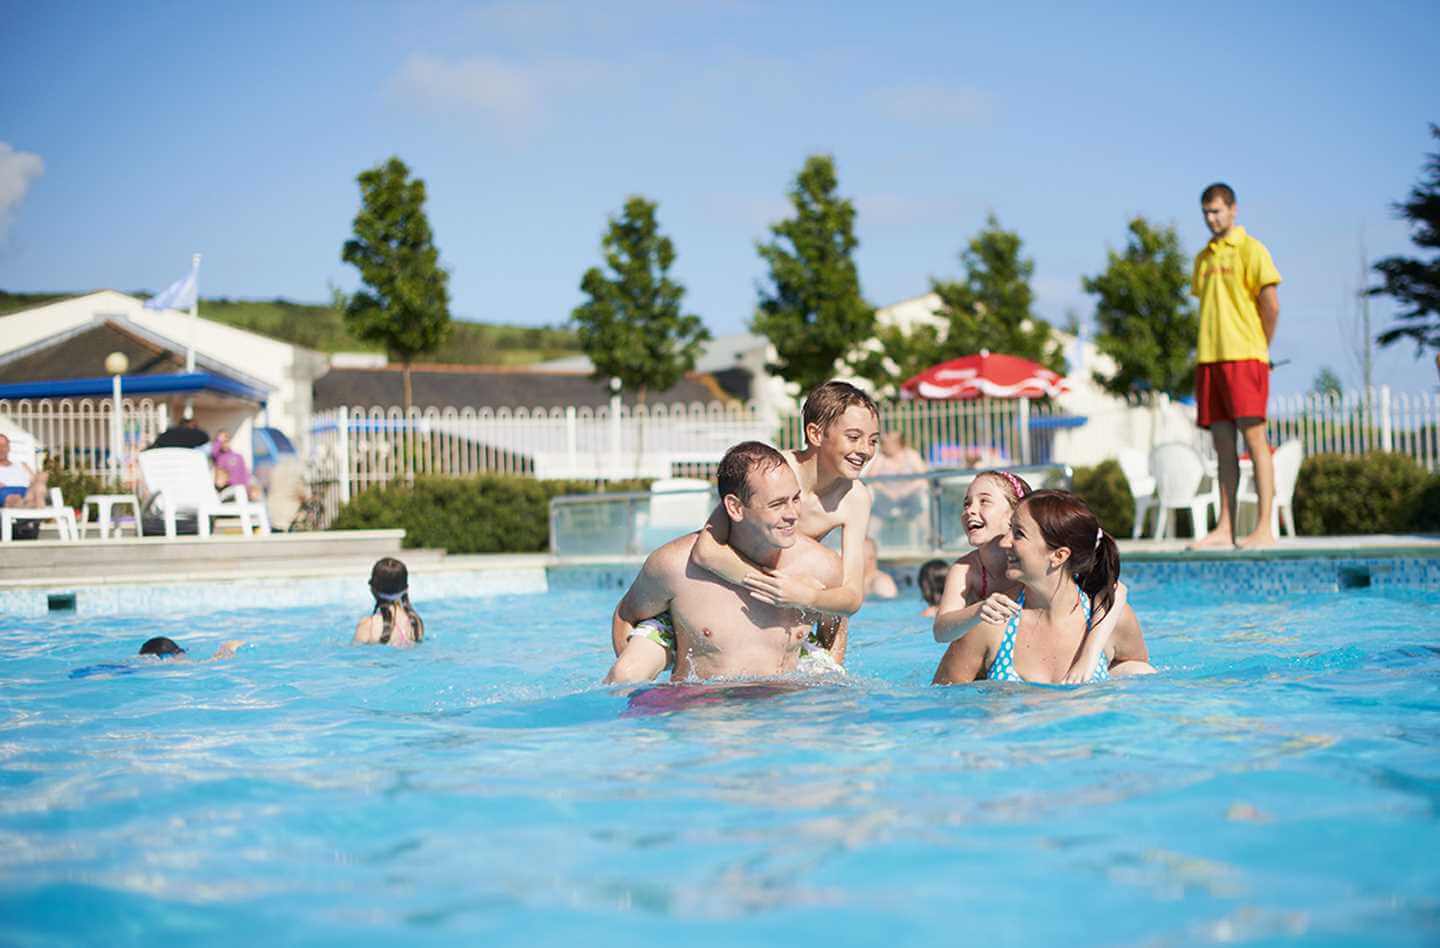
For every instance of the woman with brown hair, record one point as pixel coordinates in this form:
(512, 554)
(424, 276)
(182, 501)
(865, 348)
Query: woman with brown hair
(1067, 567)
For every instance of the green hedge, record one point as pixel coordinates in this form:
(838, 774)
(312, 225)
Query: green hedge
(489, 514)
(1107, 492)
(75, 485)
(1369, 493)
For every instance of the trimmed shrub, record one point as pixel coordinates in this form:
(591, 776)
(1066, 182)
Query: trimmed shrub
(1107, 492)
(75, 485)
(487, 514)
(1425, 511)
(1369, 493)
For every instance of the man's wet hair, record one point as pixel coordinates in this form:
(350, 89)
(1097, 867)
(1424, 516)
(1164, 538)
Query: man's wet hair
(1219, 190)
(161, 647)
(827, 402)
(733, 475)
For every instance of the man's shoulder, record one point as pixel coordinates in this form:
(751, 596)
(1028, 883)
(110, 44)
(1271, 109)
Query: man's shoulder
(812, 555)
(671, 557)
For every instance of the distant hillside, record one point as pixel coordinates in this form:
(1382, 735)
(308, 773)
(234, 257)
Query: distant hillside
(321, 327)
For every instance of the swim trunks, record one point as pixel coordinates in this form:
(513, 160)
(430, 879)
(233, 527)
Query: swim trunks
(1003, 667)
(6, 492)
(660, 630)
(815, 660)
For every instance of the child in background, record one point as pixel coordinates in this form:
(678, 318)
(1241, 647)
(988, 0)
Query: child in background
(393, 621)
(977, 590)
(931, 581)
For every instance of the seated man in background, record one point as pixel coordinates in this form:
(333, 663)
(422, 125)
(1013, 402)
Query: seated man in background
(20, 484)
(719, 629)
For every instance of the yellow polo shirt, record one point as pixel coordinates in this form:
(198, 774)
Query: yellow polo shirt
(1229, 274)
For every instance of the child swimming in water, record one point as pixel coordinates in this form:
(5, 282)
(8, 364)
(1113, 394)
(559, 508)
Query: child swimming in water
(977, 590)
(394, 621)
(931, 581)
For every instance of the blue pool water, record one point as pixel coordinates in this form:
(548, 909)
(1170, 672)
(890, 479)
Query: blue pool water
(1279, 781)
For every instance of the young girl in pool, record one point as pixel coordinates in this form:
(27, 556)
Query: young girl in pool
(394, 621)
(977, 589)
(1067, 569)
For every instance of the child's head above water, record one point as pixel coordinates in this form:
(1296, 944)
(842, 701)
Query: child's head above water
(990, 501)
(161, 647)
(390, 585)
(843, 424)
(932, 580)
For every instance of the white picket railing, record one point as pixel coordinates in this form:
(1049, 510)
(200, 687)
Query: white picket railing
(1373, 420)
(80, 433)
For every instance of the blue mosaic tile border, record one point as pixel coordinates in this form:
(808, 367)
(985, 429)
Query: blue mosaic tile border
(198, 598)
(1235, 577)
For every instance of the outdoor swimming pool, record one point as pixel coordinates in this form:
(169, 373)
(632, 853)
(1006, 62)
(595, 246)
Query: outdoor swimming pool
(1279, 780)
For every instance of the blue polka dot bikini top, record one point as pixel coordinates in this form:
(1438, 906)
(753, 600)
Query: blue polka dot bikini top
(1003, 667)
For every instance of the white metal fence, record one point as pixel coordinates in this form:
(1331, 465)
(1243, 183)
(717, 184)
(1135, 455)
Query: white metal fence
(355, 449)
(1373, 420)
(80, 433)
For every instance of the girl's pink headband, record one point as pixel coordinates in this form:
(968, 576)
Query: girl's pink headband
(1016, 484)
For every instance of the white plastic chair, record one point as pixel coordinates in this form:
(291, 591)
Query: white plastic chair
(63, 516)
(179, 479)
(1179, 471)
(1136, 467)
(1287, 460)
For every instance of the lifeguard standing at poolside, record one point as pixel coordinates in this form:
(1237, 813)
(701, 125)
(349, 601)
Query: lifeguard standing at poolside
(1235, 281)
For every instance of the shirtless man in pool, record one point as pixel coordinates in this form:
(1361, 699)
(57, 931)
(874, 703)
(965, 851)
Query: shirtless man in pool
(720, 630)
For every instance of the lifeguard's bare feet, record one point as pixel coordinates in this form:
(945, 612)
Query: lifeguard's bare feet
(1259, 540)
(1217, 539)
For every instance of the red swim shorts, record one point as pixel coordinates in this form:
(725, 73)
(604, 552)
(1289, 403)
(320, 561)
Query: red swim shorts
(1229, 391)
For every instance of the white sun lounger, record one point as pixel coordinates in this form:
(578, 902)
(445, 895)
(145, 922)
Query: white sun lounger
(179, 480)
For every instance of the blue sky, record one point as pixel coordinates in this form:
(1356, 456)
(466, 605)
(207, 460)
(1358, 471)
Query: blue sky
(132, 135)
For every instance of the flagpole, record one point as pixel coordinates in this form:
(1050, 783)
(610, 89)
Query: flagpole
(194, 314)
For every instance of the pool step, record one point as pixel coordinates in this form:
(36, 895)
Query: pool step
(158, 558)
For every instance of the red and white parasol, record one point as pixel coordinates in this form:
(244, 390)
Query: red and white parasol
(985, 374)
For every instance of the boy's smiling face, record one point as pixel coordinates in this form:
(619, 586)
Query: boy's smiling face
(850, 441)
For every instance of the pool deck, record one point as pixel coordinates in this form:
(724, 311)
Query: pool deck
(51, 563)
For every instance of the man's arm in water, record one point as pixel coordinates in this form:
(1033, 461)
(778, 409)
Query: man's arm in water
(843, 598)
(638, 657)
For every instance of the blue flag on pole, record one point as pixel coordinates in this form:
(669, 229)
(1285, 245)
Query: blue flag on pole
(178, 295)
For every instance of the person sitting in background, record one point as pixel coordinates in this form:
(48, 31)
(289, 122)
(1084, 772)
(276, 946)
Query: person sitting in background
(187, 434)
(878, 584)
(20, 485)
(230, 469)
(896, 500)
(393, 621)
(931, 581)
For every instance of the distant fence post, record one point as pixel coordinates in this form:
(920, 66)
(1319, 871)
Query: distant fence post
(1023, 420)
(1387, 433)
(342, 451)
(572, 442)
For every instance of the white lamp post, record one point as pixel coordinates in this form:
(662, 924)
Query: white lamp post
(115, 365)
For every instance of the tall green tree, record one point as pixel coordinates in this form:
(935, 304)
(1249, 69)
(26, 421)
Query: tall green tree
(1415, 282)
(812, 311)
(1327, 383)
(992, 306)
(1147, 322)
(406, 304)
(633, 327)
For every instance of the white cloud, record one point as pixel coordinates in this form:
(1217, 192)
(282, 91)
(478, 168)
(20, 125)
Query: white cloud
(17, 170)
(929, 103)
(888, 209)
(516, 95)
